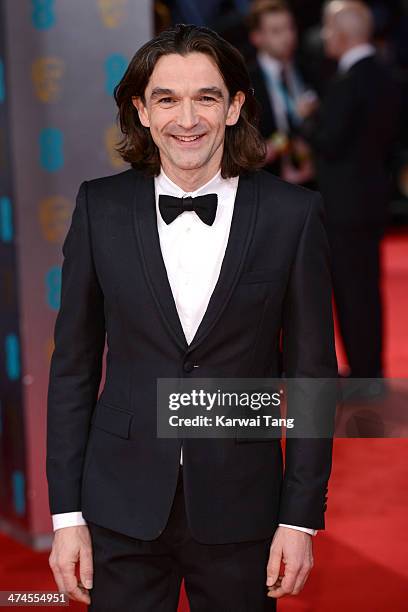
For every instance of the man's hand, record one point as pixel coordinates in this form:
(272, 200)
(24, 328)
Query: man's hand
(294, 549)
(307, 105)
(70, 545)
(272, 152)
(276, 145)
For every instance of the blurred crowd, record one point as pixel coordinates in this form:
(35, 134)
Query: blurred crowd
(299, 40)
(331, 81)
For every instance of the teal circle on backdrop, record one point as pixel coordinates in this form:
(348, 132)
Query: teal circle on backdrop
(2, 83)
(51, 149)
(12, 355)
(43, 14)
(115, 68)
(53, 287)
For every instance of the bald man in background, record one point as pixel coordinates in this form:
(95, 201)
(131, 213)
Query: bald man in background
(352, 134)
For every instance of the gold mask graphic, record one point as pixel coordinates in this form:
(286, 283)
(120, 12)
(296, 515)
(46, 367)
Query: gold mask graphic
(113, 12)
(55, 214)
(46, 73)
(112, 137)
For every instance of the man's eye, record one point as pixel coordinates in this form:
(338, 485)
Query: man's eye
(207, 99)
(166, 100)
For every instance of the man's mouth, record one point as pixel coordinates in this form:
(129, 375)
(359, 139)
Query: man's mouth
(187, 138)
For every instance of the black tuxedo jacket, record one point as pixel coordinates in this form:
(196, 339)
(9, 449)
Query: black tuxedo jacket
(353, 136)
(103, 455)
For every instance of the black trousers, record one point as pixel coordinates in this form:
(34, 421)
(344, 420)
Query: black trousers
(132, 575)
(355, 255)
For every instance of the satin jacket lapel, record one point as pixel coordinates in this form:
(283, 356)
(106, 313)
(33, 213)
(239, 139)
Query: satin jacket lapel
(242, 227)
(145, 222)
(241, 231)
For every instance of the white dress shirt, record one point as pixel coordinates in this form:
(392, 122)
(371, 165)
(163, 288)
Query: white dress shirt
(192, 253)
(354, 55)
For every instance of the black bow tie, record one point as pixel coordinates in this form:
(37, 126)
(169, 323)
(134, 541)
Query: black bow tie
(205, 206)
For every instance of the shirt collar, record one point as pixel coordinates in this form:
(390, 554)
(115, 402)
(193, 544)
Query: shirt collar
(271, 65)
(166, 185)
(354, 55)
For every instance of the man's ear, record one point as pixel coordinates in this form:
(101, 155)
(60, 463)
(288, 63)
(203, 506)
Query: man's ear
(235, 108)
(142, 110)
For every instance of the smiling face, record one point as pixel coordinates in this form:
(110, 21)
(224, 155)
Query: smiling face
(187, 109)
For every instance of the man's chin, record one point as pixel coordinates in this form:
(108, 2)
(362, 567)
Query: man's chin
(187, 164)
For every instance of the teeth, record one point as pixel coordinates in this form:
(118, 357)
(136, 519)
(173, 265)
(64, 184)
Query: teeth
(187, 138)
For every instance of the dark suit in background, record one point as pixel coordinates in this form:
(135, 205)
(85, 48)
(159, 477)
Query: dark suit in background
(271, 119)
(352, 137)
(267, 121)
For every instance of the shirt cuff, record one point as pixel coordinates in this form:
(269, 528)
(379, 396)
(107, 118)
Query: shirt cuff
(305, 529)
(67, 519)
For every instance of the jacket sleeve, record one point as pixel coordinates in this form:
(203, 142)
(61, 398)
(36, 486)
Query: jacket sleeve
(309, 352)
(76, 364)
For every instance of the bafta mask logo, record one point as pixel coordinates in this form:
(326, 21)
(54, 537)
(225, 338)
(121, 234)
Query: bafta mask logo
(12, 356)
(6, 219)
(2, 82)
(18, 482)
(55, 214)
(112, 137)
(51, 144)
(47, 73)
(43, 14)
(113, 12)
(53, 287)
(115, 68)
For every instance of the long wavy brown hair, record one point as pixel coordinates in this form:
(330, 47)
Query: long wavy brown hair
(244, 148)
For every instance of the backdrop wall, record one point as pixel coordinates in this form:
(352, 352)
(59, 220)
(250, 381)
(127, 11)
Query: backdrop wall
(59, 64)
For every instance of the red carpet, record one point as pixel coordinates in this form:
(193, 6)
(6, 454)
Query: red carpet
(361, 559)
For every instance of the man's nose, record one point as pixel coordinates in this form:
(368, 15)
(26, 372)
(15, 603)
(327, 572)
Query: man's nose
(187, 117)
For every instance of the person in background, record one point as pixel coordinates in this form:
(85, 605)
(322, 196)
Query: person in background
(204, 13)
(352, 134)
(279, 88)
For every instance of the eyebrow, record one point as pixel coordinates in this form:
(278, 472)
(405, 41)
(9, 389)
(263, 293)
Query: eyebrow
(163, 91)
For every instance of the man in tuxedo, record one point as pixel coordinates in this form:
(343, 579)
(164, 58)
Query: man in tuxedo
(352, 134)
(279, 87)
(193, 263)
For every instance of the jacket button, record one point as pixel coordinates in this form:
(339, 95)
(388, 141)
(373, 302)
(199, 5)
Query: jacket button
(188, 366)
